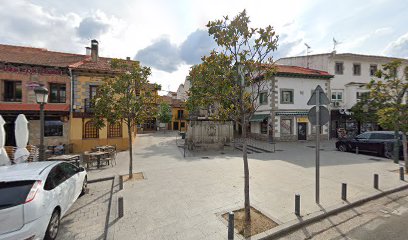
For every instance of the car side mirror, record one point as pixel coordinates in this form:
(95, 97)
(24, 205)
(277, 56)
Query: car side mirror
(81, 169)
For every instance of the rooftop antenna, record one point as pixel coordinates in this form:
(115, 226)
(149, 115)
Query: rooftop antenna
(335, 43)
(307, 53)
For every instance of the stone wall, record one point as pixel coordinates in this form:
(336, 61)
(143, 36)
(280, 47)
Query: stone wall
(208, 134)
(34, 134)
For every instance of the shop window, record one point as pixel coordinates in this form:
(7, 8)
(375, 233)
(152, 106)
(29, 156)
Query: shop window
(286, 126)
(57, 93)
(90, 130)
(264, 127)
(115, 130)
(53, 128)
(287, 96)
(12, 91)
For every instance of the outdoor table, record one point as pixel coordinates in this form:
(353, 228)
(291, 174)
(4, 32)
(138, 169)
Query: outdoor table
(67, 157)
(98, 156)
(104, 148)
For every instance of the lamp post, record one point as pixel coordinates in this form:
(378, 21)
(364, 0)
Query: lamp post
(41, 96)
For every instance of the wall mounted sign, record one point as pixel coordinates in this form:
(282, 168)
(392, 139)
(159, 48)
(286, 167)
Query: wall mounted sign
(31, 70)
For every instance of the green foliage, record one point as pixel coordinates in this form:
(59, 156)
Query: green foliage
(229, 81)
(389, 93)
(164, 114)
(366, 110)
(127, 96)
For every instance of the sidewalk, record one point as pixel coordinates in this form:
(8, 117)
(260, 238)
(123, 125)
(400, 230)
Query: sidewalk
(182, 198)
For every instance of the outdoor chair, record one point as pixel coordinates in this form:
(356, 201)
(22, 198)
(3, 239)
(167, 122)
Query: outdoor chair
(88, 160)
(34, 153)
(110, 159)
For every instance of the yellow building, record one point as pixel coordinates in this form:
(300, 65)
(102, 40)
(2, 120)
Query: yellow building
(179, 114)
(86, 76)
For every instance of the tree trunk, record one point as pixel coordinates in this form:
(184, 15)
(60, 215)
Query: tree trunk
(405, 150)
(130, 149)
(246, 172)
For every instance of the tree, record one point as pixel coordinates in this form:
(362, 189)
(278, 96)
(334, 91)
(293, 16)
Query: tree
(365, 111)
(126, 96)
(164, 114)
(391, 92)
(230, 81)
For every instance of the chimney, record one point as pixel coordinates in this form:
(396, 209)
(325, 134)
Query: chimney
(94, 50)
(88, 51)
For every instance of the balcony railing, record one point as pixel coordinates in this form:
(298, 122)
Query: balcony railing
(88, 106)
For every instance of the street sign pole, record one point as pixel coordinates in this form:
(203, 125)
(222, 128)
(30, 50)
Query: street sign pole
(317, 146)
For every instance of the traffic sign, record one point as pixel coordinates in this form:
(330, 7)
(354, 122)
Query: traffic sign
(323, 113)
(323, 99)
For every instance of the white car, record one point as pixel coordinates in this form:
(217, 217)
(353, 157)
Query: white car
(35, 196)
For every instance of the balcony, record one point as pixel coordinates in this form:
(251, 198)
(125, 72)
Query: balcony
(88, 105)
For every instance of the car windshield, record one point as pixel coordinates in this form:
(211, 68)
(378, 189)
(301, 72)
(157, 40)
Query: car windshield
(14, 193)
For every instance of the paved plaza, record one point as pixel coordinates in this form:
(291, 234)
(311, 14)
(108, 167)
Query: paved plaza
(183, 198)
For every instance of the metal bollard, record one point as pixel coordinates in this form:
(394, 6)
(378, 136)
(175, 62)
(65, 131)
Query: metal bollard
(344, 191)
(120, 207)
(357, 150)
(120, 182)
(231, 226)
(401, 171)
(376, 181)
(297, 204)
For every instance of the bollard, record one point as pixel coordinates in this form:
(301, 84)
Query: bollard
(120, 207)
(297, 204)
(344, 191)
(356, 150)
(231, 226)
(376, 181)
(120, 182)
(401, 173)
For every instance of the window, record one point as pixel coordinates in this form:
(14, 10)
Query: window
(55, 178)
(180, 114)
(69, 169)
(364, 136)
(182, 124)
(90, 131)
(381, 136)
(263, 98)
(12, 91)
(362, 95)
(57, 93)
(373, 69)
(264, 126)
(92, 91)
(14, 193)
(286, 126)
(53, 128)
(287, 96)
(336, 96)
(357, 69)
(338, 68)
(115, 130)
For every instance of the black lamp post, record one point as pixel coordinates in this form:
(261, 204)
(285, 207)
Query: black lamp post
(41, 96)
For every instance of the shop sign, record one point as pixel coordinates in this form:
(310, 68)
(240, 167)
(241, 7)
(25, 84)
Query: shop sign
(302, 119)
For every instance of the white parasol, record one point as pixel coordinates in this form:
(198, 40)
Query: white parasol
(4, 159)
(21, 133)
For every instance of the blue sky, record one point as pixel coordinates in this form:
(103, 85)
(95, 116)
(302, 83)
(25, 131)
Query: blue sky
(170, 36)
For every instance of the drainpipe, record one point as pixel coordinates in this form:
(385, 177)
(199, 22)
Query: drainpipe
(72, 90)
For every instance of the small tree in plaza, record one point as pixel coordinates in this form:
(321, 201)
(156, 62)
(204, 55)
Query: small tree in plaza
(231, 80)
(164, 114)
(391, 92)
(127, 96)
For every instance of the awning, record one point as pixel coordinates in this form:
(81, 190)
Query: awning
(292, 113)
(258, 117)
(33, 107)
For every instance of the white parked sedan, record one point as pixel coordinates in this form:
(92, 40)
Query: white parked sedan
(35, 196)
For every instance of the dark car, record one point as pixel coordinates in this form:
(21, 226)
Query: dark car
(378, 142)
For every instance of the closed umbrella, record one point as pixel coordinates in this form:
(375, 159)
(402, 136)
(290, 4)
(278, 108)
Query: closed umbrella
(4, 159)
(21, 133)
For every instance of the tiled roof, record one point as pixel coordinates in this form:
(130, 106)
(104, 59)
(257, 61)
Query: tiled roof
(33, 107)
(43, 57)
(285, 69)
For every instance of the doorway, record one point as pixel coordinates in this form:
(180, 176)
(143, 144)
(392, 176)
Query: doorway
(175, 126)
(302, 131)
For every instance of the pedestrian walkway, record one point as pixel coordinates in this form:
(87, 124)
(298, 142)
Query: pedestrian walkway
(182, 198)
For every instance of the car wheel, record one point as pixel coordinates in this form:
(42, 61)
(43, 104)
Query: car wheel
(84, 186)
(342, 148)
(53, 226)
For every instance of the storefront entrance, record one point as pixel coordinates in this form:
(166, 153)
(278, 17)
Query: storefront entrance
(302, 131)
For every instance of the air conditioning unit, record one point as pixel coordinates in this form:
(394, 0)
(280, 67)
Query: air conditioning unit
(336, 104)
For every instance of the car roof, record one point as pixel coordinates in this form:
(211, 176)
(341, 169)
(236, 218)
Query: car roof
(26, 171)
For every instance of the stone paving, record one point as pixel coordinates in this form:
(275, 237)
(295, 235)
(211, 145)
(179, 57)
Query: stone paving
(182, 198)
(89, 215)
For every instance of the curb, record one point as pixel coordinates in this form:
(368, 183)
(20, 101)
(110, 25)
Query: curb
(101, 179)
(302, 222)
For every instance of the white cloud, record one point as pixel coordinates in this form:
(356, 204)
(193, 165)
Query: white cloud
(399, 47)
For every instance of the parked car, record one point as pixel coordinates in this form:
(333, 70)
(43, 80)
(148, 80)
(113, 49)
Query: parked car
(378, 142)
(35, 196)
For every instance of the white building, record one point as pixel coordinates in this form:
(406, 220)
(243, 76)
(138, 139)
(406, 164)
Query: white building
(285, 101)
(183, 89)
(351, 73)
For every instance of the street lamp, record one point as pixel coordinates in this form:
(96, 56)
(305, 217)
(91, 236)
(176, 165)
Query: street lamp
(41, 96)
